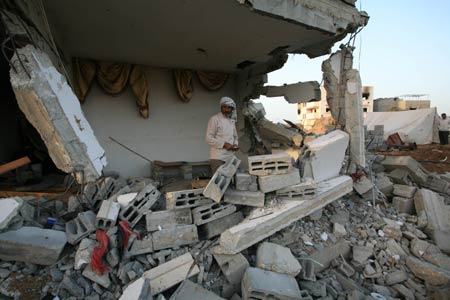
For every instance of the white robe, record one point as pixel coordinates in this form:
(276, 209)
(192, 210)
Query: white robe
(221, 130)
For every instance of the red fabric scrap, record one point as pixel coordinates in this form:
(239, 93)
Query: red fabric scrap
(99, 252)
(125, 226)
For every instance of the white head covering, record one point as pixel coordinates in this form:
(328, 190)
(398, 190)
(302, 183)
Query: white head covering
(227, 101)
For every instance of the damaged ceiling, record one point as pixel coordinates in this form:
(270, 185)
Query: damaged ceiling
(197, 34)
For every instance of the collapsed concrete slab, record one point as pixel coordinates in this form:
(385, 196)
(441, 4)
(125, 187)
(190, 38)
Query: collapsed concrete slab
(278, 133)
(300, 92)
(32, 245)
(324, 156)
(51, 106)
(163, 276)
(264, 222)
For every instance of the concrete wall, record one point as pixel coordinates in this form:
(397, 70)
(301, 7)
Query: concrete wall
(398, 104)
(175, 131)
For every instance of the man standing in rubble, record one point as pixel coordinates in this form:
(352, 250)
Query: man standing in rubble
(444, 127)
(221, 134)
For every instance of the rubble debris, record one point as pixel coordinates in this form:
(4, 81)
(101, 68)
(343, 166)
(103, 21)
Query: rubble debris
(191, 291)
(158, 220)
(216, 227)
(32, 245)
(221, 179)
(276, 258)
(9, 208)
(174, 237)
(80, 227)
(45, 96)
(136, 209)
(233, 266)
(430, 273)
(323, 156)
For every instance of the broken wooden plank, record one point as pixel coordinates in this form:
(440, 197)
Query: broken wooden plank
(49, 195)
(5, 168)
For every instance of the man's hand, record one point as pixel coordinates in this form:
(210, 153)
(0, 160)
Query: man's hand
(227, 146)
(235, 147)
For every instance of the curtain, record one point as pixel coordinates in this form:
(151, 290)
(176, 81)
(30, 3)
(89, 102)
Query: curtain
(184, 84)
(212, 81)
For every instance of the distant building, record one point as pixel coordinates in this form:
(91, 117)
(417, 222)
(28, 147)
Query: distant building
(309, 112)
(401, 103)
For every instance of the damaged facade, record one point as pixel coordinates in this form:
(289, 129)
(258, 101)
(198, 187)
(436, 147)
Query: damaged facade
(280, 220)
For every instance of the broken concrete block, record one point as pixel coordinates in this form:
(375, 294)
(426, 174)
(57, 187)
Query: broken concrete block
(191, 291)
(276, 258)
(393, 248)
(430, 205)
(278, 133)
(140, 205)
(80, 227)
(186, 199)
(125, 199)
(84, 253)
(262, 284)
(270, 164)
(361, 253)
(303, 191)
(216, 227)
(211, 212)
(431, 253)
(262, 223)
(233, 266)
(314, 288)
(442, 239)
(363, 185)
(175, 237)
(395, 277)
(9, 208)
(400, 176)
(32, 245)
(339, 230)
(403, 205)
(107, 215)
(102, 280)
(51, 106)
(221, 179)
(437, 184)
(407, 163)
(113, 258)
(72, 287)
(326, 255)
(404, 191)
(431, 274)
(244, 198)
(157, 220)
(246, 182)
(272, 183)
(142, 246)
(384, 184)
(324, 156)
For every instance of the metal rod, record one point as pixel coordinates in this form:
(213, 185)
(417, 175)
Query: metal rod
(131, 150)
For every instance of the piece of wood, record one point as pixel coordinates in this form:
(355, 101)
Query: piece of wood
(10, 194)
(5, 168)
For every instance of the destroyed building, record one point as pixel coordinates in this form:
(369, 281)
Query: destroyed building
(115, 98)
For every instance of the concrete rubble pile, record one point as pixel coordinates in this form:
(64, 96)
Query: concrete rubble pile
(272, 231)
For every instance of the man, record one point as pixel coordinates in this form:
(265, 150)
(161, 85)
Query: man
(221, 134)
(444, 125)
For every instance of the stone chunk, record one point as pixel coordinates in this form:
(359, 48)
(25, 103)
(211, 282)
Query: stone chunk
(80, 227)
(191, 291)
(262, 223)
(142, 246)
(186, 198)
(431, 274)
(174, 237)
(361, 253)
(84, 253)
(403, 205)
(272, 183)
(211, 212)
(102, 280)
(216, 227)
(276, 258)
(163, 219)
(395, 277)
(431, 211)
(221, 179)
(246, 182)
(32, 245)
(404, 191)
(107, 214)
(9, 208)
(270, 164)
(306, 190)
(244, 198)
(323, 157)
(262, 284)
(140, 205)
(363, 185)
(233, 266)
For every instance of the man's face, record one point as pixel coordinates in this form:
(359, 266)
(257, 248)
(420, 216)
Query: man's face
(226, 110)
(444, 116)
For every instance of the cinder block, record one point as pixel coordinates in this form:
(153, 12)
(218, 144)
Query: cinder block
(211, 212)
(80, 227)
(404, 191)
(270, 164)
(246, 182)
(142, 246)
(403, 205)
(216, 227)
(157, 220)
(140, 205)
(107, 215)
(32, 245)
(303, 191)
(272, 183)
(233, 266)
(191, 291)
(186, 198)
(174, 237)
(221, 179)
(244, 198)
(276, 258)
(262, 284)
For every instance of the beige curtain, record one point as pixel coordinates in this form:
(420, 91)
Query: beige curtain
(212, 81)
(184, 84)
(112, 78)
